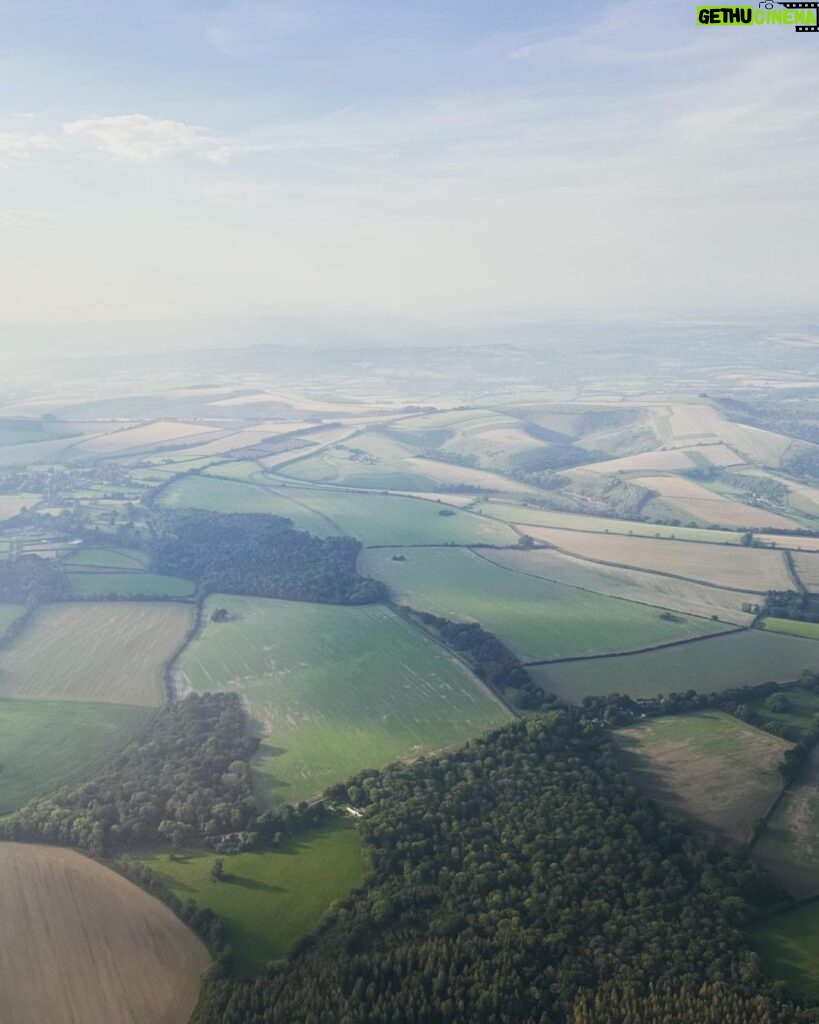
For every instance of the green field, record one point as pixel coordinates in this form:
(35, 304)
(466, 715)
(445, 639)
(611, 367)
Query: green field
(372, 518)
(334, 689)
(129, 584)
(113, 652)
(48, 744)
(718, 770)
(367, 460)
(790, 627)
(745, 658)
(537, 618)
(526, 516)
(788, 946)
(272, 898)
(105, 558)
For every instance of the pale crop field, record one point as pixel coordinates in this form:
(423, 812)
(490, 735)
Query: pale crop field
(536, 618)
(807, 568)
(647, 587)
(718, 770)
(335, 689)
(746, 658)
(112, 652)
(12, 504)
(658, 461)
(702, 421)
(447, 473)
(700, 502)
(159, 433)
(729, 566)
(525, 517)
(81, 945)
(777, 540)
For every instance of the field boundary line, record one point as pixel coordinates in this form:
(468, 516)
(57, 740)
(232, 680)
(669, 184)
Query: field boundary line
(613, 597)
(790, 565)
(639, 650)
(653, 572)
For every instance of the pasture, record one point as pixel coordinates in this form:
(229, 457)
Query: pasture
(650, 588)
(738, 568)
(710, 507)
(9, 613)
(788, 946)
(129, 584)
(105, 951)
(536, 618)
(270, 898)
(710, 766)
(111, 652)
(790, 627)
(334, 689)
(744, 658)
(104, 558)
(48, 744)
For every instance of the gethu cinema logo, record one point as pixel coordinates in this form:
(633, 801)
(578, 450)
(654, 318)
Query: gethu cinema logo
(802, 15)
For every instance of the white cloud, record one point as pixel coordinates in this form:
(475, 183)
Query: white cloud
(18, 146)
(142, 139)
(247, 29)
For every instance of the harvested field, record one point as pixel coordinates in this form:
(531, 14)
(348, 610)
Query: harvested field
(778, 540)
(727, 566)
(525, 517)
(702, 421)
(745, 658)
(807, 569)
(12, 504)
(649, 588)
(335, 689)
(669, 460)
(81, 945)
(112, 652)
(48, 744)
(718, 770)
(449, 474)
(536, 618)
(707, 505)
(146, 436)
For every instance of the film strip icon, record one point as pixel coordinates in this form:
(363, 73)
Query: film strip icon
(798, 5)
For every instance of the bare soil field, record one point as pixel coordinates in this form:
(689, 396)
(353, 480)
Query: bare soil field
(708, 765)
(81, 945)
(161, 432)
(113, 652)
(698, 501)
(724, 565)
(648, 588)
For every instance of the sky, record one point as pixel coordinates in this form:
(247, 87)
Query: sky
(169, 166)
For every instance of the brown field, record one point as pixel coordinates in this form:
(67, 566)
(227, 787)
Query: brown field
(11, 504)
(710, 507)
(807, 569)
(645, 587)
(708, 765)
(159, 433)
(81, 945)
(112, 652)
(730, 566)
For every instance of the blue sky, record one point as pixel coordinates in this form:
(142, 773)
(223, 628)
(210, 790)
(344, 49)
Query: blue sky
(166, 162)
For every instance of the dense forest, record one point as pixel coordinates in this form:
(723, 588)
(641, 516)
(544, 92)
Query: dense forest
(524, 880)
(258, 555)
(491, 660)
(30, 580)
(188, 775)
(791, 604)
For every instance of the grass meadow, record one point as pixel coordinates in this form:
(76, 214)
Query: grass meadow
(48, 744)
(271, 898)
(334, 689)
(537, 618)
